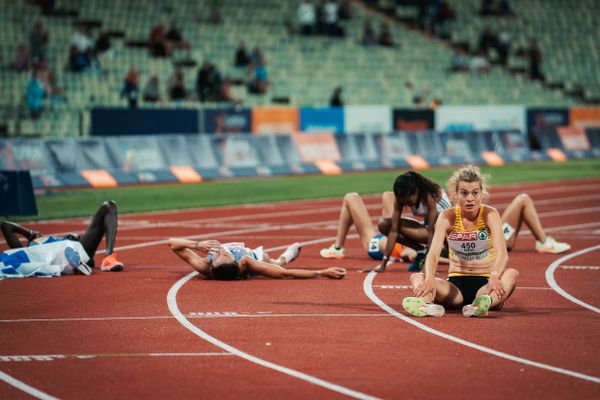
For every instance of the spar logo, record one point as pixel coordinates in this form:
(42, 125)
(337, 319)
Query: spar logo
(468, 236)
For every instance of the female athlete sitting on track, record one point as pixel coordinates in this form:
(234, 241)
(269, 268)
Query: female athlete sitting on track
(355, 212)
(104, 223)
(232, 261)
(478, 278)
(427, 199)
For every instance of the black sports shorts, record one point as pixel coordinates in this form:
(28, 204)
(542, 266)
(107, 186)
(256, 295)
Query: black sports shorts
(468, 286)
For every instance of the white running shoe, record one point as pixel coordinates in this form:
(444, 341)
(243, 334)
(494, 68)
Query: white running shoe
(551, 246)
(332, 252)
(479, 307)
(417, 307)
(292, 252)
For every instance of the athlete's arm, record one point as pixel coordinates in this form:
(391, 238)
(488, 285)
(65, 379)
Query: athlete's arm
(494, 223)
(431, 218)
(275, 271)
(392, 235)
(431, 262)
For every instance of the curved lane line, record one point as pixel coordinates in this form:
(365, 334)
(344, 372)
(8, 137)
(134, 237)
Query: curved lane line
(174, 308)
(367, 287)
(25, 387)
(552, 282)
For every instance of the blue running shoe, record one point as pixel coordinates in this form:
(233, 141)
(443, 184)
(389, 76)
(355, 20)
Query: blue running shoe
(74, 260)
(417, 264)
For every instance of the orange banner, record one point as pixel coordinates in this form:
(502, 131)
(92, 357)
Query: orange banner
(556, 154)
(99, 178)
(584, 117)
(317, 147)
(328, 167)
(278, 120)
(492, 158)
(417, 162)
(186, 174)
(573, 138)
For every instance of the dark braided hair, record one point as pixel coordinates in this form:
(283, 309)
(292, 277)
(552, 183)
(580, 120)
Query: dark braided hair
(409, 182)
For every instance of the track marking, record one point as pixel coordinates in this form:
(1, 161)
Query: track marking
(580, 267)
(55, 357)
(174, 308)
(368, 289)
(552, 282)
(25, 387)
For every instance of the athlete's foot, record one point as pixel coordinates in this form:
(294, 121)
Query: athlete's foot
(419, 308)
(332, 252)
(550, 245)
(110, 263)
(479, 307)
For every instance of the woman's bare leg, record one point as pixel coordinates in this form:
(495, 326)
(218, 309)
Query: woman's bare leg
(522, 210)
(354, 212)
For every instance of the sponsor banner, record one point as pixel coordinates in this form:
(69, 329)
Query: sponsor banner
(326, 119)
(317, 147)
(394, 146)
(573, 138)
(413, 120)
(25, 154)
(99, 178)
(275, 120)
(227, 120)
(584, 117)
(136, 153)
(479, 118)
(368, 119)
(239, 152)
(543, 119)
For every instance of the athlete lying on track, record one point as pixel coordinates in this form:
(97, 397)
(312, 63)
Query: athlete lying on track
(233, 261)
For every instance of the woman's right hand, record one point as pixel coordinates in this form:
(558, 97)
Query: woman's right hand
(334, 273)
(425, 287)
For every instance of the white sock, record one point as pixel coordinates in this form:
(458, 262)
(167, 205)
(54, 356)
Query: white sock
(291, 252)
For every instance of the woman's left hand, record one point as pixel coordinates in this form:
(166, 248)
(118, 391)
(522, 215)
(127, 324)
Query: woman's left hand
(495, 285)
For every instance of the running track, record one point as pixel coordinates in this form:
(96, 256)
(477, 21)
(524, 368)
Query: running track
(156, 331)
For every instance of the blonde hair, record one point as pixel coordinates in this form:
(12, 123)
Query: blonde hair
(468, 173)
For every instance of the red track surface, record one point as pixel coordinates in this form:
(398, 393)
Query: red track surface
(116, 335)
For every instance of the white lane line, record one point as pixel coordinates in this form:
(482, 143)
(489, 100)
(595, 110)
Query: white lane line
(367, 287)
(25, 387)
(54, 357)
(193, 315)
(580, 267)
(174, 308)
(554, 285)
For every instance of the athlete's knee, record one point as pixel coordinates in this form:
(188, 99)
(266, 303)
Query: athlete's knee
(523, 198)
(384, 225)
(388, 196)
(511, 273)
(416, 278)
(109, 205)
(351, 195)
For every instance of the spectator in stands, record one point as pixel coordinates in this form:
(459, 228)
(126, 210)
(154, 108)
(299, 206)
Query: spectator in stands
(158, 43)
(487, 40)
(103, 46)
(345, 11)
(385, 35)
(320, 13)
(22, 60)
(505, 9)
(503, 45)
(458, 63)
(307, 17)
(38, 40)
(209, 83)
(46, 6)
(331, 18)
(369, 38)
(242, 58)
(336, 99)
(177, 89)
(151, 92)
(34, 95)
(176, 39)
(534, 56)
(82, 47)
(131, 89)
(479, 63)
(260, 82)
